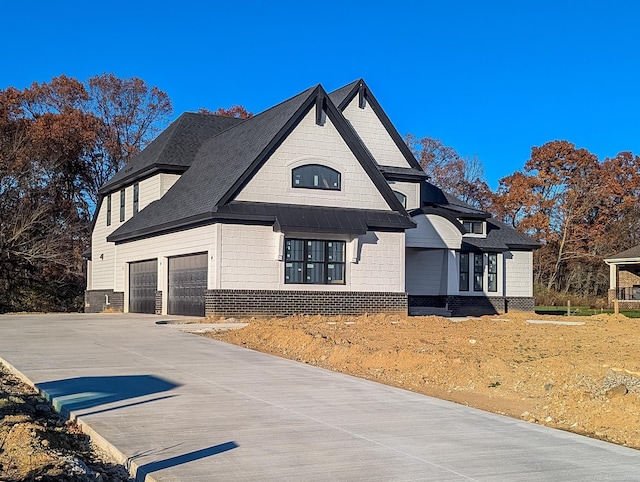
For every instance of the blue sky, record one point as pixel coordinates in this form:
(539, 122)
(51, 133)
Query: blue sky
(490, 78)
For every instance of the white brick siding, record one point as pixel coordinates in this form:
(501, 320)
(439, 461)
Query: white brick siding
(313, 144)
(249, 258)
(375, 136)
(518, 273)
(380, 265)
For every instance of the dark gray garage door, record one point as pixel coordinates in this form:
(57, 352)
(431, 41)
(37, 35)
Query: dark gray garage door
(143, 282)
(187, 284)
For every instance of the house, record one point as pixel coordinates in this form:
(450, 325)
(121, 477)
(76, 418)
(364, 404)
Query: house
(315, 205)
(624, 278)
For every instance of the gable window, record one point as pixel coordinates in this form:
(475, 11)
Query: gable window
(464, 271)
(478, 266)
(136, 197)
(122, 199)
(315, 176)
(492, 280)
(474, 227)
(314, 262)
(402, 198)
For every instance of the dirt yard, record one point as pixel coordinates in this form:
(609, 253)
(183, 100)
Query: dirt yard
(36, 445)
(580, 378)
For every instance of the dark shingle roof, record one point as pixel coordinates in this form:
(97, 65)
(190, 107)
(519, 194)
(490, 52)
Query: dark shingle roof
(501, 237)
(628, 253)
(392, 173)
(219, 164)
(434, 196)
(340, 95)
(174, 149)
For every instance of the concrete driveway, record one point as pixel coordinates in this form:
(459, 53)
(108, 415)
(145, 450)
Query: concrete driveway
(179, 407)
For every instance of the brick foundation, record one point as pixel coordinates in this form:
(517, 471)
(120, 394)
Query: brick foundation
(158, 302)
(95, 301)
(286, 303)
(474, 305)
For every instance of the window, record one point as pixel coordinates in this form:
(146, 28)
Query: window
(136, 197)
(475, 227)
(402, 198)
(314, 262)
(109, 210)
(464, 271)
(314, 176)
(492, 281)
(478, 266)
(122, 199)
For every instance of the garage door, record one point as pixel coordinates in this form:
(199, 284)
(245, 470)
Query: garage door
(187, 284)
(143, 282)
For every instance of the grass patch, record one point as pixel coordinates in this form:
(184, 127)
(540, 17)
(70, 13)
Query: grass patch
(581, 311)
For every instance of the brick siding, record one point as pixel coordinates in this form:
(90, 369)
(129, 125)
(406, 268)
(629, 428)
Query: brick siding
(286, 303)
(475, 305)
(158, 302)
(95, 301)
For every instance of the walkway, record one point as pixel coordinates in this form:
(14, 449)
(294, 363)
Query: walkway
(181, 407)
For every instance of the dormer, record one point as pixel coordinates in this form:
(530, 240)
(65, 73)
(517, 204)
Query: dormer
(475, 228)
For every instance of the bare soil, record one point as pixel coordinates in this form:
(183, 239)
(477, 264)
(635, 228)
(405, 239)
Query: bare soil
(580, 378)
(37, 445)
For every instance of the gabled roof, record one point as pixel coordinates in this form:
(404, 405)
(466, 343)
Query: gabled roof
(500, 237)
(226, 162)
(343, 96)
(434, 196)
(626, 255)
(173, 150)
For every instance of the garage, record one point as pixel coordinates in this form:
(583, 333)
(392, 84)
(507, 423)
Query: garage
(143, 283)
(187, 284)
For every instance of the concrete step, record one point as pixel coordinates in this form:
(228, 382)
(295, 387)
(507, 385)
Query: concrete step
(428, 310)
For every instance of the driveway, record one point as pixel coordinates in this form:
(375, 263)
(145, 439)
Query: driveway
(180, 407)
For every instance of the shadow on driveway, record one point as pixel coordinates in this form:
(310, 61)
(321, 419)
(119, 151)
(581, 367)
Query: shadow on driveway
(83, 393)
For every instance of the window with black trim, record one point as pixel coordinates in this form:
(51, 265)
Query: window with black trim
(315, 176)
(464, 272)
(122, 199)
(109, 210)
(402, 198)
(478, 271)
(492, 268)
(474, 227)
(310, 261)
(136, 197)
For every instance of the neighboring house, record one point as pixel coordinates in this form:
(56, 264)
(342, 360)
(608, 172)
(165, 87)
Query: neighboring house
(624, 278)
(316, 205)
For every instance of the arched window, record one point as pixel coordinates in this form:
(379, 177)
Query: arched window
(315, 176)
(402, 198)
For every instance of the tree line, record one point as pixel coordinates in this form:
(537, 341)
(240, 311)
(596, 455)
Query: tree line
(61, 140)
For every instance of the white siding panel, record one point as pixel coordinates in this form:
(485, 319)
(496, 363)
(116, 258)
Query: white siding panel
(518, 273)
(433, 232)
(426, 271)
(167, 181)
(149, 192)
(375, 136)
(380, 264)
(197, 240)
(249, 258)
(409, 189)
(313, 144)
(103, 253)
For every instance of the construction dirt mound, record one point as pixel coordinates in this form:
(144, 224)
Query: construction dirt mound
(582, 375)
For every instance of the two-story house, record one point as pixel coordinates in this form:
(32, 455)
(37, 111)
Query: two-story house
(315, 205)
